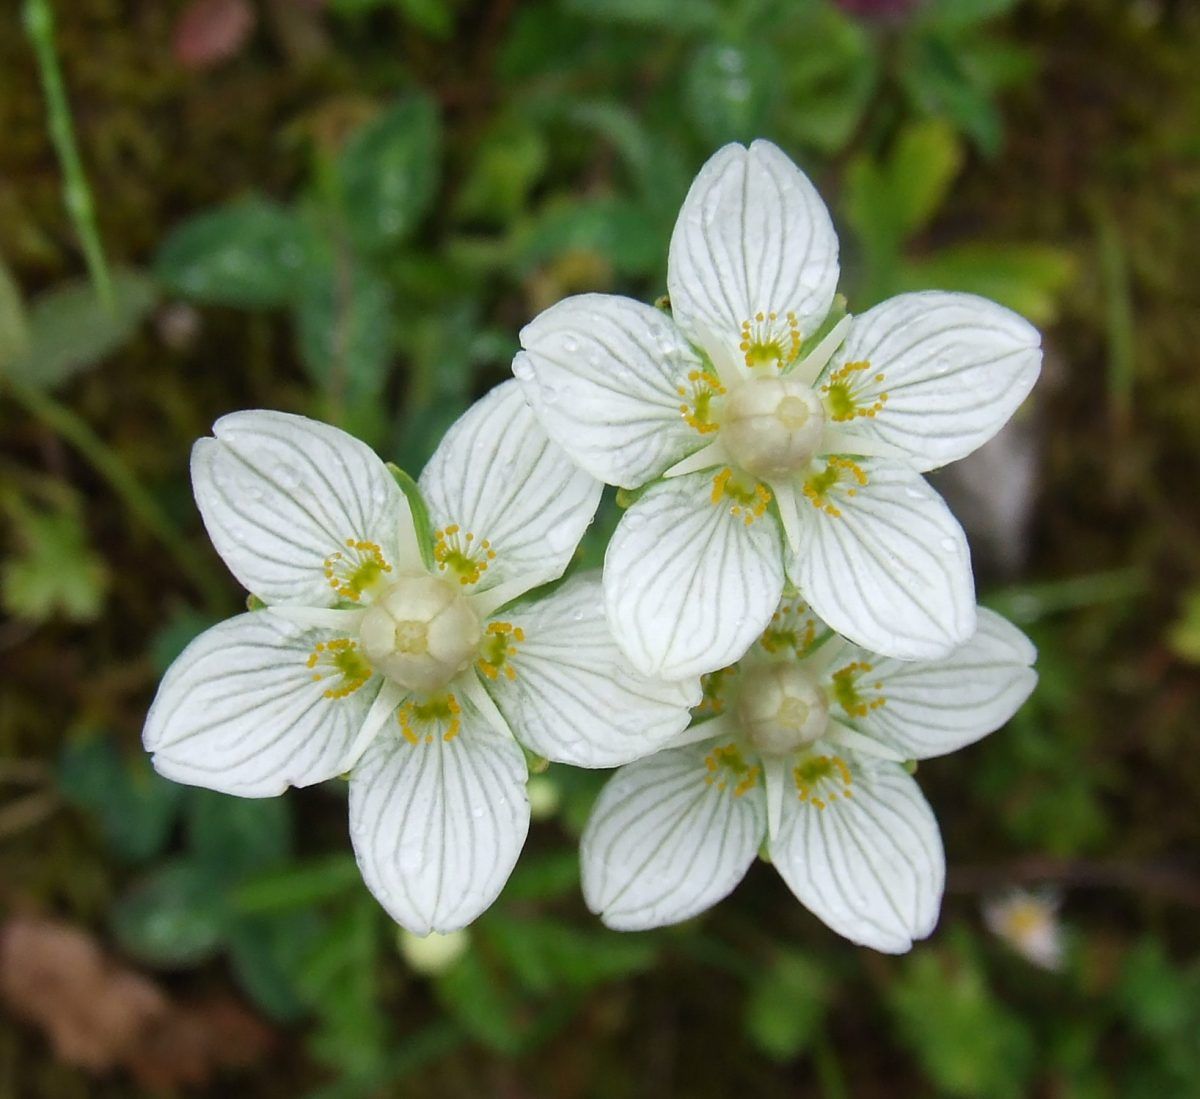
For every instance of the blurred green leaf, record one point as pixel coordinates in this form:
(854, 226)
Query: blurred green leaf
(1184, 636)
(263, 953)
(343, 319)
(1159, 996)
(173, 918)
(53, 570)
(483, 1004)
(669, 14)
(133, 806)
(507, 164)
(235, 837)
(299, 886)
(247, 254)
(957, 14)
(619, 231)
(787, 1004)
(388, 172)
(730, 90)
(546, 955)
(543, 877)
(1028, 278)
(938, 80)
(964, 1037)
(71, 329)
(183, 625)
(14, 325)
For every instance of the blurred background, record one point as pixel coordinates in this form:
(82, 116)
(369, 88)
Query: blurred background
(347, 208)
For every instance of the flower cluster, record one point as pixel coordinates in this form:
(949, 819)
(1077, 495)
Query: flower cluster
(784, 623)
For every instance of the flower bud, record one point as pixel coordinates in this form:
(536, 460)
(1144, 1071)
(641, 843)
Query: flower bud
(781, 709)
(772, 426)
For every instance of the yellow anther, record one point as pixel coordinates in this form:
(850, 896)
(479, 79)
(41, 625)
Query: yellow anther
(748, 502)
(844, 398)
(821, 780)
(793, 627)
(838, 470)
(341, 657)
(459, 553)
(703, 386)
(848, 691)
(726, 766)
(355, 569)
(766, 340)
(435, 716)
(498, 648)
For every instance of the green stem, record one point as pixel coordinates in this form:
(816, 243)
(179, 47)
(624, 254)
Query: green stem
(134, 495)
(39, 24)
(830, 1077)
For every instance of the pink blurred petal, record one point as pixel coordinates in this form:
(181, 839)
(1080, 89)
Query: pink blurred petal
(208, 32)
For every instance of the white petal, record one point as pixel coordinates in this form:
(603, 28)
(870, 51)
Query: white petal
(603, 375)
(574, 698)
(954, 368)
(662, 844)
(870, 866)
(281, 493)
(437, 826)
(688, 586)
(935, 707)
(753, 236)
(892, 571)
(239, 711)
(498, 477)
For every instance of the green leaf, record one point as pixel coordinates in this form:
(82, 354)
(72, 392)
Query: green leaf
(183, 625)
(483, 1004)
(133, 806)
(343, 319)
(234, 837)
(544, 877)
(936, 77)
(619, 231)
(420, 512)
(54, 571)
(174, 918)
(787, 1003)
(1184, 637)
(14, 325)
(669, 14)
(263, 953)
(247, 255)
(388, 172)
(71, 329)
(298, 886)
(730, 90)
(507, 165)
(1028, 278)
(958, 14)
(546, 955)
(969, 1043)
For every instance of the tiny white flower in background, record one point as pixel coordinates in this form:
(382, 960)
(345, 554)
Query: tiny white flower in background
(374, 658)
(1028, 922)
(807, 752)
(764, 414)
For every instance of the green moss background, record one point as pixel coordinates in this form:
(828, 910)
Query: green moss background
(351, 216)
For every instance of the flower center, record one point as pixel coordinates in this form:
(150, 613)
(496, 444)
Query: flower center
(781, 709)
(420, 632)
(773, 426)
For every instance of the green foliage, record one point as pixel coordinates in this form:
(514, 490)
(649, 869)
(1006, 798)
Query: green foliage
(968, 1042)
(71, 329)
(173, 917)
(787, 1004)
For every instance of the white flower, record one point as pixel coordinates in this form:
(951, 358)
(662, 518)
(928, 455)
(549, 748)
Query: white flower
(807, 752)
(1029, 923)
(766, 415)
(389, 660)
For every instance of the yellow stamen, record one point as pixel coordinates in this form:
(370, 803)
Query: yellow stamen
(792, 627)
(460, 553)
(817, 779)
(847, 691)
(838, 470)
(355, 569)
(844, 397)
(434, 713)
(498, 649)
(749, 501)
(768, 341)
(726, 765)
(697, 409)
(343, 658)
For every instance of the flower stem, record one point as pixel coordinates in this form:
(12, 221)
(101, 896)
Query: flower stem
(140, 504)
(39, 25)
